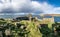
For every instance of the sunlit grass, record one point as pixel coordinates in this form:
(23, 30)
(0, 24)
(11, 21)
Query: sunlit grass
(31, 26)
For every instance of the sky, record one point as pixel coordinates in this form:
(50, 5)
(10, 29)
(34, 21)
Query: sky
(35, 7)
(56, 3)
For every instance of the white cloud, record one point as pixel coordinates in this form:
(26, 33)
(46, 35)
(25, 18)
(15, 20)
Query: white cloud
(46, 8)
(28, 6)
(50, 9)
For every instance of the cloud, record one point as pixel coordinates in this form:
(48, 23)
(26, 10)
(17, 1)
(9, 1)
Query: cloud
(27, 6)
(46, 8)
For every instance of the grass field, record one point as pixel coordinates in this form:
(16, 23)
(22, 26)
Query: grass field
(27, 29)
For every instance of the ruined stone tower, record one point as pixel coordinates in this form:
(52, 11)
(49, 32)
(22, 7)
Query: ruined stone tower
(48, 20)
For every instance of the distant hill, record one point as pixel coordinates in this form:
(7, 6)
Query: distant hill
(52, 15)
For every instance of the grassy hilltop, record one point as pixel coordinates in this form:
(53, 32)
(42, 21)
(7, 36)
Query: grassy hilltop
(26, 28)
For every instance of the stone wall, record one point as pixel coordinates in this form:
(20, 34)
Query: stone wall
(47, 20)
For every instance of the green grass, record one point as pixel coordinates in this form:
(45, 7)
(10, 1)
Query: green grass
(32, 27)
(34, 30)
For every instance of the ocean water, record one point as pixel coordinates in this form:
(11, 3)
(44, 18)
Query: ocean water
(57, 19)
